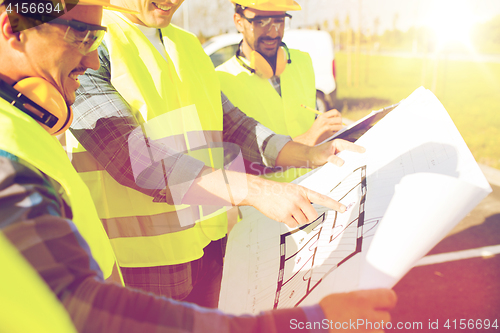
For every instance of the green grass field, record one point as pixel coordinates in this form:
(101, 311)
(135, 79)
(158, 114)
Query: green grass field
(470, 92)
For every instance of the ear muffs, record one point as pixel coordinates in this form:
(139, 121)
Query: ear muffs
(42, 101)
(260, 66)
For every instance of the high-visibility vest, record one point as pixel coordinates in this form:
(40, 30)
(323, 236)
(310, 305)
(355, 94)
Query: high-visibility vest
(178, 103)
(26, 302)
(22, 136)
(257, 98)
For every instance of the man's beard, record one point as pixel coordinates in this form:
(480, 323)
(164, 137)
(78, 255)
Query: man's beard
(271, 58)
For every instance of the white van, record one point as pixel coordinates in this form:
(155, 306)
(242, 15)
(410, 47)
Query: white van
(317, 43)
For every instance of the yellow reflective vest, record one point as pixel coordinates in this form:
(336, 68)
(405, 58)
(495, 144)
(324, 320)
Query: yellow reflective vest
(257, 98)
(26, 302)
(178, 103)
(22, 136)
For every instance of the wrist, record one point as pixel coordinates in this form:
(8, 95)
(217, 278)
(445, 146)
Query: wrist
(310, 156)
(318, 155)
(305, 139)
(295, 155)
(254, 186)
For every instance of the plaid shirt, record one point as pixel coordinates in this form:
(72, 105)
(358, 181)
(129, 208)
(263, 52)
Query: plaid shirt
(37, 220)
(276, 83)
(104, 124)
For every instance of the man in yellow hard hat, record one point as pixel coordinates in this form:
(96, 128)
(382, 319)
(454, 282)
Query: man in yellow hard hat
(46, 214)
(46, 69)
(151, 121)
(42, 52)
(270, 82)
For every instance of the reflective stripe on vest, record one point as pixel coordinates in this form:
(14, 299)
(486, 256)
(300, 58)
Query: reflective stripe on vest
(258, 99)
(177, 102)
(24, 137)
(23, 295)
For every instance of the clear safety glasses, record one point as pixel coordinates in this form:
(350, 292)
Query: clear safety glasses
(266, 23)
(84, 36)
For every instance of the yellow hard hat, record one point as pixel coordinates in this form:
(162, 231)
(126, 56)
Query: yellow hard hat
(106, 4)
(270, 5)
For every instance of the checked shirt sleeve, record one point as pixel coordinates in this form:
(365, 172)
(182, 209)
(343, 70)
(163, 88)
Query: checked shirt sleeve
(257, 142)
(106, 127)
(37, 221)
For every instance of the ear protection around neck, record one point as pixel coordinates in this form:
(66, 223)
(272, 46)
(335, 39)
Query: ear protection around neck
(259, 64)
(41, 100)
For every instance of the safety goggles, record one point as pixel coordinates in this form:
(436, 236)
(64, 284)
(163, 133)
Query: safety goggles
(266, 23)
(84, 36)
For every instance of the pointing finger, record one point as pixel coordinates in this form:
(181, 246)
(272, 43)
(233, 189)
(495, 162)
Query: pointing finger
(326, 201)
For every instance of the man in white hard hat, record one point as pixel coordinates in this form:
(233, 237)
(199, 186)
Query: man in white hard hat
(139, 120)
(47, 214)
(270, 82)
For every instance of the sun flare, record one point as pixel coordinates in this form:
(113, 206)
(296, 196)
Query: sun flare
(452, 21)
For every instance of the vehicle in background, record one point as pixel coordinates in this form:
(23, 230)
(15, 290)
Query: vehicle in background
(317, 43)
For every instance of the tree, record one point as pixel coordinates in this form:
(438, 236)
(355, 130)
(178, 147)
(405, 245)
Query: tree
(376, 24)
(395, 21)
(336, 23)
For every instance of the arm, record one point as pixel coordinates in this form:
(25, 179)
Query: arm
(53, 246)
(260, 144)
(324, 126)
(299, 155)
(282, 202)
(32, 218)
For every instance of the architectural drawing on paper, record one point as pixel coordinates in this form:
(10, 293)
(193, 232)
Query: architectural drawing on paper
(382, 234)
(313, 251)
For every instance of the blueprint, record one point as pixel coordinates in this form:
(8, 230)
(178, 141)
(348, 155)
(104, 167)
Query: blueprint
(304, 248)
(415, 182)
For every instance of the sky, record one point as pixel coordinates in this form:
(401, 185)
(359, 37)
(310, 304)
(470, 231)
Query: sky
(215, 16)
(410, 12)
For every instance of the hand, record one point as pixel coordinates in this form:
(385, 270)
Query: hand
(359, 307)
(297, 155)
(327, 152)
(323, 127)
(287, 203)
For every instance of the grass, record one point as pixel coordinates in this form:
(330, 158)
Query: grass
(470, 92)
